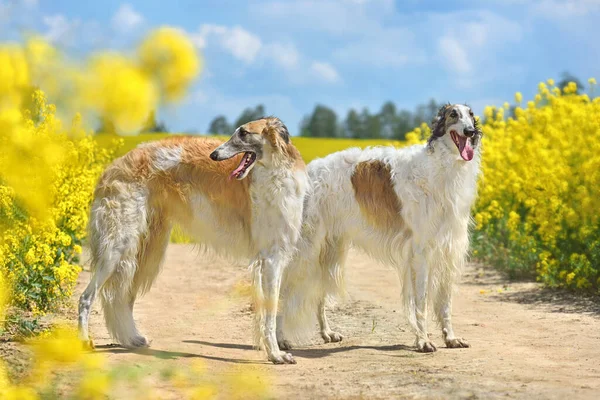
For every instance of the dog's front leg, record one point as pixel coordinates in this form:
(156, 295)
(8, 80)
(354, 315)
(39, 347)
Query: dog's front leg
(266, 306)
(420, 288)
(444, 314)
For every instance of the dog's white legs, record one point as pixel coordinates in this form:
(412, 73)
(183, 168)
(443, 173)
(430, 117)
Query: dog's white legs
(268, 280)
(326, 333)
(86, 300)
(421, 284)
(331, 258)
(443, 310)
(283, 343)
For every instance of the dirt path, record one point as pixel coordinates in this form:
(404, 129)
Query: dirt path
(526, 342)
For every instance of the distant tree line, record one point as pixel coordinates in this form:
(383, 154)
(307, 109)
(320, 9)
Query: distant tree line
(390, 122)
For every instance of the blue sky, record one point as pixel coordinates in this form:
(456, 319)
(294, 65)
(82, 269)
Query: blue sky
(291, 55)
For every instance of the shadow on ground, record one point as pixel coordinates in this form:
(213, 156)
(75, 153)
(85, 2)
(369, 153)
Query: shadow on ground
(168, 355)
(316, 352)
(554, 300)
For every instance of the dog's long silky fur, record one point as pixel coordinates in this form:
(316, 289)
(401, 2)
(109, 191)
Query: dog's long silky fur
(409, 208)
(142, 194)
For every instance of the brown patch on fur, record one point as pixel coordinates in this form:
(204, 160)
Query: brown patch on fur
(171, 189)
(130, 168)
(198, 173)
(374, 192)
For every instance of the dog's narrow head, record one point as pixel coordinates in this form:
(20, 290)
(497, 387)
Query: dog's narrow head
(258, 140)
(457, 123)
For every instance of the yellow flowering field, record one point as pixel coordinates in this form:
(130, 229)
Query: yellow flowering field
(48, 168)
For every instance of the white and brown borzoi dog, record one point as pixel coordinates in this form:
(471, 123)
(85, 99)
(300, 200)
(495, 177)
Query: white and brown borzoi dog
(255, 216)
(409, 208)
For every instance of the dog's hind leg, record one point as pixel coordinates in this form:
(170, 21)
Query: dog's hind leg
(101, 274)
(110, 236)
(150, 258)
(327, 333)
(151, 254)
(118, 228)
(332, 258)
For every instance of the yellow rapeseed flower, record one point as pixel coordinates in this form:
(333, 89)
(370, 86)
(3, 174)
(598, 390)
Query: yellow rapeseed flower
(518, 97)
(171, 56)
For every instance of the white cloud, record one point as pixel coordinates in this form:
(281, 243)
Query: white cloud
(237, 41)
(60, 29)
(361, 25)
(126, 18)
(454, 55)
(462, 46)
(324, 71)
(249, 48)
(285, 55)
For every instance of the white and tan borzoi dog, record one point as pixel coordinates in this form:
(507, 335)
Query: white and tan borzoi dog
(255, 216)
(409, 208)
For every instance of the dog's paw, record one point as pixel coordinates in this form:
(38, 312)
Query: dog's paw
(454, 343)
(331, 336)
(138, 342)
(425, 346)
(284, 344)
(282, 358)
(457, 343)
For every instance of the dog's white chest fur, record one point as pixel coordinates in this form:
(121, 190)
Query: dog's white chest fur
(277, 198)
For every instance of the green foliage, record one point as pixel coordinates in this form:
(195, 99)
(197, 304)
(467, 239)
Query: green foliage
(249, 114)
(220, 126)
(388, 123)
(321, 123)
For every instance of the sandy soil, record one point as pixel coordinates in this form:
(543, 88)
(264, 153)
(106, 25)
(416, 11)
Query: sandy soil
(526, 342)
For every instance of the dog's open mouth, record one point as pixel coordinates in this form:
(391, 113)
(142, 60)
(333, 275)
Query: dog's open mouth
(464, 145)
(245, 166)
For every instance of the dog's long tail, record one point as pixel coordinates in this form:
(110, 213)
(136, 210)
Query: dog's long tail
(314, 276)
(128, 242)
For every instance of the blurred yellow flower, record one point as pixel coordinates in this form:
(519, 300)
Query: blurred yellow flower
(171, 56)
(518, 97)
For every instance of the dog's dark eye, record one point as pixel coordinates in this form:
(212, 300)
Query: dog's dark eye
(243, 133)
(471, 113)
(453, 114)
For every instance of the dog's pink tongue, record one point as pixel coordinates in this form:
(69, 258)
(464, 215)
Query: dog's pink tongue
(465, 148)
(239, 168)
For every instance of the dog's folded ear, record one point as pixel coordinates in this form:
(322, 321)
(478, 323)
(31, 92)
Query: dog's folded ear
(439, 122)
(276, 132)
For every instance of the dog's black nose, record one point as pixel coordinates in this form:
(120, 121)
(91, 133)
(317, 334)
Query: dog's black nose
(214, 156)
(469, 132)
